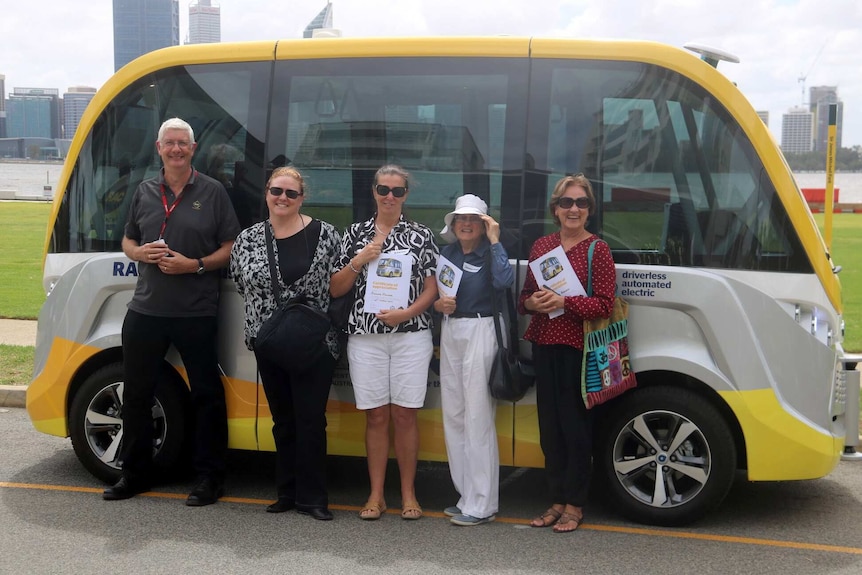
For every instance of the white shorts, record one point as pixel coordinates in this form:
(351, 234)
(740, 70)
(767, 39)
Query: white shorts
(390, 368)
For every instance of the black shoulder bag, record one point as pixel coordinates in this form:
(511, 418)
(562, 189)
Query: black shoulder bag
(293, 336)
(511, 376)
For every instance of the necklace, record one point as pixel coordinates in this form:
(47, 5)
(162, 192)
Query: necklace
(379, 231)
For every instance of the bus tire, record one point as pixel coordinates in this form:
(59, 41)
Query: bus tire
(669, 434)
(96, 425)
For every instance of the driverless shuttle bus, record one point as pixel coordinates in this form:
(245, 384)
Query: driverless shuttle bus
(735, 309)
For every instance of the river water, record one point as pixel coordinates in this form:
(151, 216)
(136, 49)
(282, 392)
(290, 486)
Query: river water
(29, 179)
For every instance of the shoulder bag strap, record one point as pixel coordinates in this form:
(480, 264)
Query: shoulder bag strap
(273, 271)
(590, 267)
(495, 304)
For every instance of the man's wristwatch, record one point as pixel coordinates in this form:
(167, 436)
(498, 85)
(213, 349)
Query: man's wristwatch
(201, 268)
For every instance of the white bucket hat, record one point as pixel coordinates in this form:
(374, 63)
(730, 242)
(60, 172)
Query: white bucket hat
(466, 204)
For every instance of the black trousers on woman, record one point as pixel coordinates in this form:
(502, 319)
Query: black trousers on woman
(565, 428)
(297, 401)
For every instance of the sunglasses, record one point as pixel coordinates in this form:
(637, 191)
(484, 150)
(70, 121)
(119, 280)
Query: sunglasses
(292, 194)
(566, 202)
(398, 191)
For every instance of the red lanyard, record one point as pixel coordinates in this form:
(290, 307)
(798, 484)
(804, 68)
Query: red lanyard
(168, 211)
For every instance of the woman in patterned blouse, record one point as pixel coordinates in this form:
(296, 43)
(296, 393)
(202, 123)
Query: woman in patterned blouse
(389, 351)
(565, 432)
(305, 250)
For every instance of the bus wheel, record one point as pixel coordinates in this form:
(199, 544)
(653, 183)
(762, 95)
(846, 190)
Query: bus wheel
(96, 425)
(664, 456)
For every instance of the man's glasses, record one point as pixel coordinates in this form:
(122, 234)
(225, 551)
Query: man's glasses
(398, 191)
(566, 202)
(171, 143)
(292, 194)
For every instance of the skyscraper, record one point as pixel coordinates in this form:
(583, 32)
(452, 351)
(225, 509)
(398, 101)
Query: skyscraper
(2, 106)
(75, 101)
(820, 97)
(322, 20)
(33, 113)
(796, 131)
(204, 22)
(141, 26)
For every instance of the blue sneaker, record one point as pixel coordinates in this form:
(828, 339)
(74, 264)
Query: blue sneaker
(452, 511)
(469, 520)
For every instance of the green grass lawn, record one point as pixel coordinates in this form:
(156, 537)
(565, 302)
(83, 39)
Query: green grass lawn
(22, 237)
(847, 253)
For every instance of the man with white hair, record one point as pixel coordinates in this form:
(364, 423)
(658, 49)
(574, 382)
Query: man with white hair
(180, 230)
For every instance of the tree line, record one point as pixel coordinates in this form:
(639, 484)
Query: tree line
(846, 160)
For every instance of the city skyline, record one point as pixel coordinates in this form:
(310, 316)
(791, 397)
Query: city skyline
(785, 46)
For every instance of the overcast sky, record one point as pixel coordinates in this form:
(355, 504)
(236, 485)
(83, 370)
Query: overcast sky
(61, 43)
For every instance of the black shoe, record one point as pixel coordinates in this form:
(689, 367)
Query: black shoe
(206, 492)
(319, 513)
(125, 488)
(281, 506)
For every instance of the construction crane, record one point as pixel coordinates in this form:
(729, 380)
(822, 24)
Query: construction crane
(804, 77)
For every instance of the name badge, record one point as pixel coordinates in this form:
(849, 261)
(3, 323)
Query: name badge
(471, 269)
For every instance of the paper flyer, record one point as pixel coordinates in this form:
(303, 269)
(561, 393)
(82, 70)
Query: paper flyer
(448, 277)
(554, 272)
(388, 285)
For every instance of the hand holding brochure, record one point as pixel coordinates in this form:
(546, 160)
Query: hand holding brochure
(448, 277)
(554, 272)
(388, 285)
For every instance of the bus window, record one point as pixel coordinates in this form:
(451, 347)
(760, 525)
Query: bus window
(676, 180)
(339, 122)
(120, 151)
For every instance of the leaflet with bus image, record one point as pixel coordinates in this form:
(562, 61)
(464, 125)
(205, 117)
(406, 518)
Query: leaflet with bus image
(388, 285)
(554, 272)
(448, 277)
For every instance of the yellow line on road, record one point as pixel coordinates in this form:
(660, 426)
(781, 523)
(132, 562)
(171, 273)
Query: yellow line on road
(514, 521)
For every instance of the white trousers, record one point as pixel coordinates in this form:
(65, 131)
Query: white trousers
(467, 348)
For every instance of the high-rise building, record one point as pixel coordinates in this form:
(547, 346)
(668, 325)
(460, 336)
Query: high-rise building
(820, 98)
(33, 113)
(204, 22)
(322, 20)
(75, 101)
(796, 131)
(2, 106)
(141, 26)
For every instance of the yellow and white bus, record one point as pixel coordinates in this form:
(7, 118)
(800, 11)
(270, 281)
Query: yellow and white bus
(735, 308)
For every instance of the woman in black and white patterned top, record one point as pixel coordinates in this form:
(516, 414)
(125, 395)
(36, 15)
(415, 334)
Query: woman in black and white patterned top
(305, 250)
(389, 351)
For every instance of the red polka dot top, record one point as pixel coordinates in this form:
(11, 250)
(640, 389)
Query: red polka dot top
(568, 329)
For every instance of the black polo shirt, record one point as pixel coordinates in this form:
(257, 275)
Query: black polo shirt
(201, 221)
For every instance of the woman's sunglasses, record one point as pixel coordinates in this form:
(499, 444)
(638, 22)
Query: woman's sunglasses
(566, 202)
(398, 191)
(292, 194)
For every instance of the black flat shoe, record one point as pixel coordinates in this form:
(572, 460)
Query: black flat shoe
(206, 492)
(125, 489)
(281, 506)
(319, 513)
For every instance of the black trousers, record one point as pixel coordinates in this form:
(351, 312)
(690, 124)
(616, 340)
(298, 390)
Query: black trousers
(565, 428)
(146, 339)
(297, 401)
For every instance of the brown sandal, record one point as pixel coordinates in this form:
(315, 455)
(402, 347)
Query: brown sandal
(546, 519)
(568, 522)
(410, 510)
(372, 510)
